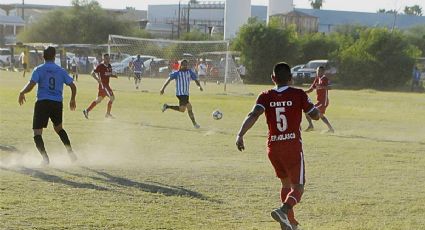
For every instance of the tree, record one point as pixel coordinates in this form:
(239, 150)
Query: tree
(379, 59)
(416, 36)
(262, 46)
(316, 4)
(85, 22)
(413, 10)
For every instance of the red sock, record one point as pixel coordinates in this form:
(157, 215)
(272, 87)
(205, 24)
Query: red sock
(293, 197)
(109, 107)
(92, 105)
(291, 215)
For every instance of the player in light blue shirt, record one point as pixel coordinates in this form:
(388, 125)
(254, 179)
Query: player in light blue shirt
(182, 78)
(50, 79)
(138, 69)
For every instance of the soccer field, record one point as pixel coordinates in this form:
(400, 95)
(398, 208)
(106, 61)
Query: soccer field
(152, 170)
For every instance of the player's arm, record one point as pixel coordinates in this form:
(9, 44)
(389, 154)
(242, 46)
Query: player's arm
(28, 87)
(165, 85)
(72, 103)
(195, 78)
(94, 75)
(247, 124)
(314, 114)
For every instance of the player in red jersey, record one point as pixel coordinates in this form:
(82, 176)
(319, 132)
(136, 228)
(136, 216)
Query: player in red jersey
(283, 107)
(321, 85)
(101, 74)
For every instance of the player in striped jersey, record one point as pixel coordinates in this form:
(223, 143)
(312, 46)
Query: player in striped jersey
(182, 78)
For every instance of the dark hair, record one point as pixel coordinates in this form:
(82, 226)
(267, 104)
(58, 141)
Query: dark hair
(282, 72)
(321, 67)
(49, 53)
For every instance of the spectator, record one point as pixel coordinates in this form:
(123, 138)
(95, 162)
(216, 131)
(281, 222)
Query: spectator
(416, 77)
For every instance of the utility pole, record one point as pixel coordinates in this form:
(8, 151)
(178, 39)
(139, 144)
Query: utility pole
(178, 24)
(188, 17)
(23, 11)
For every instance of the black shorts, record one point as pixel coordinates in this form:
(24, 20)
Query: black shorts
(24, 65)
(183, 99)
(44, 110)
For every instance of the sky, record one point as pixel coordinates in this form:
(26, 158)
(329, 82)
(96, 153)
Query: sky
(342, 5)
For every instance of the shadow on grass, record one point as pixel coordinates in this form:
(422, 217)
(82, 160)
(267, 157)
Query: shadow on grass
(152, 187)
(377, 139)
(53, 178)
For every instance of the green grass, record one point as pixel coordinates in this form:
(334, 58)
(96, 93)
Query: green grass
(152, 170)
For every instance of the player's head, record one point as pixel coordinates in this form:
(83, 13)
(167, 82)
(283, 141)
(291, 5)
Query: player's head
(138, 56)
(106, 58)
(184, 64)
(320, 71)
(49, 53)
(282, 74)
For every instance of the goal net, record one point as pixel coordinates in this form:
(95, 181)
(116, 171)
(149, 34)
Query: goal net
(159, 56)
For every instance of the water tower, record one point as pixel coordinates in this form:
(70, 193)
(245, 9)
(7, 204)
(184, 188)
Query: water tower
(279, 7)
(236, 14)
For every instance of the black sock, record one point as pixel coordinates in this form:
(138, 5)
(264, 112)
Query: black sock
(39, 143)
(192, 116)
(285, 207)
(65, 140)
(173, 107)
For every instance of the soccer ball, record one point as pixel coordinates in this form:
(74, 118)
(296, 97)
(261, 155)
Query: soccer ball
(217, 115)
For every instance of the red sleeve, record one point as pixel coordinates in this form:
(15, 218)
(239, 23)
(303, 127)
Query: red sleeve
(306, 103)
(325, 81)
(262, 100)
(97, 70)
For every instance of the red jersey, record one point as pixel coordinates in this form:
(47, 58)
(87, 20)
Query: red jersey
(104, 72)
(283, 109)
(321, 84)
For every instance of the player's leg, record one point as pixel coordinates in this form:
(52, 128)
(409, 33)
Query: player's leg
(326, 121)
(191, 115)
(40, 120)
(56, 115)
(180, 108)
(310, 123)
(109, 108)
(284, 191)
(93, 104)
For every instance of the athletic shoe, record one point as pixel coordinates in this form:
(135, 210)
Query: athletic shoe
(196, 126)
(72, 156)
(331, 131)
(281, 217)
(86, 113)
(308, 129)
(108, 115)
(46, 160)
(137, 87)
(164, 107)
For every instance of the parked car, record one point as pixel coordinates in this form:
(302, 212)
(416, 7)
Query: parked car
(308, 72)
(123, 67)
(294, 70)
(157, 64)
(5, 56)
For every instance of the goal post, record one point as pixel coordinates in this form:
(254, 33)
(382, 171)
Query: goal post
(220, 61)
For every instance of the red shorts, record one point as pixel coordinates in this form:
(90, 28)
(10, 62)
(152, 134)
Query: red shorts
(105, 92)
(321, 107)
(288, 163)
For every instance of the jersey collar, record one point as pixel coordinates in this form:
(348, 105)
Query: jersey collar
(281, 89)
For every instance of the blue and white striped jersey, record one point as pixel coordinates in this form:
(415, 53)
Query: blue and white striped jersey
(183, 81)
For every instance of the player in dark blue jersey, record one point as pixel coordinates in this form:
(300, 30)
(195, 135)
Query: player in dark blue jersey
(182, 78)
(50, 79)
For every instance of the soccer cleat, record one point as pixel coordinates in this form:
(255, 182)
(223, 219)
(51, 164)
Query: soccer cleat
(108, 115)
(281, 217)
(46, 160)
(196, 126)
(309, 129)
(331, 131)
(164, 107)
(72, 156)
(86, 113)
